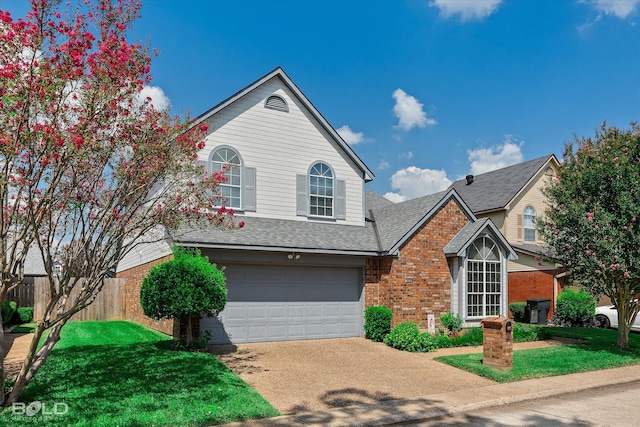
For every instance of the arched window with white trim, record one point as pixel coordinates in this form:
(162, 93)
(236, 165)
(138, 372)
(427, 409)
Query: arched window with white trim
(227, 160)
(484, 278)
(529, 224)
(321, 190)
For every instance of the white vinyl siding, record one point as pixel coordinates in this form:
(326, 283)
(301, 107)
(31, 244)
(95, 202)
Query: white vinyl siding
(280, 146)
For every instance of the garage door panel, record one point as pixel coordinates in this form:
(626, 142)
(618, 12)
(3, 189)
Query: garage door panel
(269, 303)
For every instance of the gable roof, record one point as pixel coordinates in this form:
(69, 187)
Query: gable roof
(494, 190)
(374, 200)
(367, 174)
(458, 245)
(398, 222)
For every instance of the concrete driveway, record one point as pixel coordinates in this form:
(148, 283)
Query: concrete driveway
(302, 376)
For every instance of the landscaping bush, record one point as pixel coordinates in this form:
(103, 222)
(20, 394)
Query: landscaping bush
(407, 337)
(25, 314)
(451, 321)
(377, 322)
(523, 332)
(8, 308)
(519, 311)
(574, 308)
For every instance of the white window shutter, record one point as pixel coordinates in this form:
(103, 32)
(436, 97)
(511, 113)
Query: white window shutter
(341, 199)
(302, 197)
(249, 199)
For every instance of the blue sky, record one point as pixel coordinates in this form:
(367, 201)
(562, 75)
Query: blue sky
(425, 91)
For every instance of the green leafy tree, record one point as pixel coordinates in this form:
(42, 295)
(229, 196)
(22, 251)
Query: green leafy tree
(592, 224)
(187, 286)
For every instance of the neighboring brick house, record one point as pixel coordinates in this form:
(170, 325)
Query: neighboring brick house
(512, 198)
(316, 248)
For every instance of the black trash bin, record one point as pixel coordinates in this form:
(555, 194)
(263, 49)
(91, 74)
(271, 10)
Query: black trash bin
(538, 309)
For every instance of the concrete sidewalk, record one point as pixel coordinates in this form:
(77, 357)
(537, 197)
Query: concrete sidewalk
(441, 404)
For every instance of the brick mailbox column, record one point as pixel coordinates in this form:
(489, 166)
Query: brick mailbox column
(498, 342)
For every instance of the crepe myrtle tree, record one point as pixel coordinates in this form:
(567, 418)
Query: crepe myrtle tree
(87, 165)
(592, 224)
(187, 286)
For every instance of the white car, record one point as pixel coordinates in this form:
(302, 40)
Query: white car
(607, 317)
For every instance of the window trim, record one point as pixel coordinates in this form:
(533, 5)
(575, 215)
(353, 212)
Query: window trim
(533, 225)
(485, 272)
(333, 190)
(240, 173)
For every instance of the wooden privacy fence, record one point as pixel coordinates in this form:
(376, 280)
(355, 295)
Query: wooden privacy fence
(108, 305)
(23, 294)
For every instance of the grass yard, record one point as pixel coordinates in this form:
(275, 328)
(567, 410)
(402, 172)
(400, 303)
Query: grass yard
(122, 374)
(598, 351)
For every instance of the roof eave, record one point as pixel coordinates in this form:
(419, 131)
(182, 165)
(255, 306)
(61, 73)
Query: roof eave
(368, 175)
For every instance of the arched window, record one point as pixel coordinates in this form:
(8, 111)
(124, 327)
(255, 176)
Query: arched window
(529, 224)
(227, 160)
(484, 278)
(321, 190)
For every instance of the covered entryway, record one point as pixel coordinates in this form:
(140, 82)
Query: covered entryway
(281, 303)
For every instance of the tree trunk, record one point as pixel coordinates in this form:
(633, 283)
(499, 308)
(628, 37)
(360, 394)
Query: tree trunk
(188, 332)
(34, 360)
(2, 356)
(623, 325)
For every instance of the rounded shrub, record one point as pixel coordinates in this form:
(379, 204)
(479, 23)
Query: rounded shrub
(406, 336)
(25, 314)
(8, 309)
(377, 322)
(575, 308)
(519, 311)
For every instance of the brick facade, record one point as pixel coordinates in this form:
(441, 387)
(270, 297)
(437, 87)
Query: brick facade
(524, 285)
(418, 281)
(133, 310)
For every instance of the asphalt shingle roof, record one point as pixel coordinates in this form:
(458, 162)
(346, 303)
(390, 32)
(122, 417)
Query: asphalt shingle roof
(464, 235)
(396, 220)
(278, 234)
(494, 190)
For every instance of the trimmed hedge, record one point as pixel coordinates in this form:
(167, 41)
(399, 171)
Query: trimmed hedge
(377, 322)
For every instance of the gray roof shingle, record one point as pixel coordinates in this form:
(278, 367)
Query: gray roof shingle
(277, 234)
(460, 240)
(495, 189)
(396, 220)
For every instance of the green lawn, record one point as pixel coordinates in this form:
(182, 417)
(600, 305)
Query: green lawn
(120, 373)
(598, 351)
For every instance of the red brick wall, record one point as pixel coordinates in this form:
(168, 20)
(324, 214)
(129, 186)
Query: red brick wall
(421, 259)
(524, 285)
(133, 310)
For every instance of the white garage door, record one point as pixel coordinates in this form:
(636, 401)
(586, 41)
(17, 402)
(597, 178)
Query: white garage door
(272, 303)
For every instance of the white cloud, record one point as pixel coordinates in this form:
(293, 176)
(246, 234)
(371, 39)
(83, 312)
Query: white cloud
(383, 165)
(406, 156)
(488, 159)
(467, 9)
(409, 112)
(619, 8)
(158, 99)
(349, 136)
(414, 182)
(394, 197)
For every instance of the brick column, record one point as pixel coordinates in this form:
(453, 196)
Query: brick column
(498, 342)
